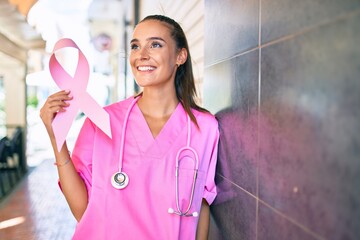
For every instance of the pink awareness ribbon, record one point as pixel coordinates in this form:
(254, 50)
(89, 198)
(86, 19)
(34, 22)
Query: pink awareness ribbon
(81, 99)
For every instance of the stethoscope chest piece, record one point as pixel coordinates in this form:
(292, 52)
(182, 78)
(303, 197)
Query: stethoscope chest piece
(119, 180)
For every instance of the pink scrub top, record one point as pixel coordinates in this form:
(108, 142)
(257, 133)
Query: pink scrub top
(140, 211)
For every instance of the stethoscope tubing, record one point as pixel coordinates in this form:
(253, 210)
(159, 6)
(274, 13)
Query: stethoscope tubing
(196, 167)
(186, 148)
(122, 142)
(179, 211)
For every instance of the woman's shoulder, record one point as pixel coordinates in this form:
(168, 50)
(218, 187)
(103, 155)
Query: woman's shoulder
(205, 118)
(119, 106)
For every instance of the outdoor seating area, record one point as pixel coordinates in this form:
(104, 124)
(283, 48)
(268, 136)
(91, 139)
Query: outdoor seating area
(12, 161)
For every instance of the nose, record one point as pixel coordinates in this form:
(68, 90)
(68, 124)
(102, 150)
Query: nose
(144, 53)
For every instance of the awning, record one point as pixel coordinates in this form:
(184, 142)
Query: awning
(23, 6)
(16, 35)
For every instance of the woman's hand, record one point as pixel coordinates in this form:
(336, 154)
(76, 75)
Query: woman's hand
(57, 102)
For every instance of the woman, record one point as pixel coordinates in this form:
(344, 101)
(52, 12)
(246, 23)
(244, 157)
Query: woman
(127, 187)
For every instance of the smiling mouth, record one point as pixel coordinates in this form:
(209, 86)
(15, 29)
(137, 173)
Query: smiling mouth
(145, 68)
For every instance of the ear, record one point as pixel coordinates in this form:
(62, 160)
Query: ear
(181, 57)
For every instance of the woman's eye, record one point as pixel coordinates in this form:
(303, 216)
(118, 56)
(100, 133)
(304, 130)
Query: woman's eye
(134, 46)
(156, 45)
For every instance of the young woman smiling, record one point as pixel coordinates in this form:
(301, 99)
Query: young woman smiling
(155, 178)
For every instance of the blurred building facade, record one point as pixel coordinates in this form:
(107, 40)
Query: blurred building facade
(101, 28)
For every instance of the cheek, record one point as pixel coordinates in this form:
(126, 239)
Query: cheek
(169, 60)
(131, 60)
(132, 64)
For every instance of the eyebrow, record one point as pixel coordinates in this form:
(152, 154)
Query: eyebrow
(148, 39)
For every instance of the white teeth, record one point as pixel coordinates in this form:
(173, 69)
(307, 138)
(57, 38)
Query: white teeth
(145, 68)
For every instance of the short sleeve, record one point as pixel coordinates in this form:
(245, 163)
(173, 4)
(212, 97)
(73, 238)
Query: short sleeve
(82, 153)
(210, 191)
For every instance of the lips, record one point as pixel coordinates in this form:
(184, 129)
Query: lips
(145, 68)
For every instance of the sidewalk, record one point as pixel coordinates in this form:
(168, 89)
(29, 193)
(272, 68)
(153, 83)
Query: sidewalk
(36, 209)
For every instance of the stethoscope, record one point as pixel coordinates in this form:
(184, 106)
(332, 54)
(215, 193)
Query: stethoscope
(120, 179)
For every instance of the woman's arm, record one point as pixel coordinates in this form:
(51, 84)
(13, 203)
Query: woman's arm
(72, 185)
(204, 221)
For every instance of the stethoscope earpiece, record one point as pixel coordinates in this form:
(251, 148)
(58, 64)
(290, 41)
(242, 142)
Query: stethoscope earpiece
(172, 211)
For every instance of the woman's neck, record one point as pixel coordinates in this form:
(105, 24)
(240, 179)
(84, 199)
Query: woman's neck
(157, 104)
(157, 108)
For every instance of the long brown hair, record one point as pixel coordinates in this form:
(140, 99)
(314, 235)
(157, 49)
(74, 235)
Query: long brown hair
(184, 78)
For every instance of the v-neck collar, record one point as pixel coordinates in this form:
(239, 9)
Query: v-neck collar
(147, 144)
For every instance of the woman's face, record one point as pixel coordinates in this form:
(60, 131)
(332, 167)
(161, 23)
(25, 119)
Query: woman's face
(154, 55)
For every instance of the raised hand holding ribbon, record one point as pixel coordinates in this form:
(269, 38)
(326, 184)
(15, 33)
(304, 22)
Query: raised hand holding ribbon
(81, 99)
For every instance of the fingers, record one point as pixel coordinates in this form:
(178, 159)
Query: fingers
(57, 102)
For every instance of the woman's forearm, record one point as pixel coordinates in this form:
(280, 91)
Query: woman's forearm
(72, 185)
(204, 221)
